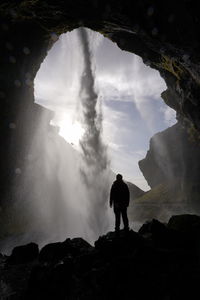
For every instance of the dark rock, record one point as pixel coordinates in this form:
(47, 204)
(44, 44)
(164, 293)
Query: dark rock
(79, 246)
(189, 224)
(24, 254)
(156, 231)
(86, 262)
(51, 281)
(114, 244)
(55, 251)
(153, 227)
(165, 237)
(69, 248)
(123, 266)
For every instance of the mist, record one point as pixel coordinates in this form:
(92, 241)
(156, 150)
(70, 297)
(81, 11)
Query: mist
(64, 189)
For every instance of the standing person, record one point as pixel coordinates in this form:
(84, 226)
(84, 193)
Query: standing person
(119, 199)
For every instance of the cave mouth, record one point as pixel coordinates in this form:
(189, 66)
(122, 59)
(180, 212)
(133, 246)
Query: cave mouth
(129, 94)
(129, 98)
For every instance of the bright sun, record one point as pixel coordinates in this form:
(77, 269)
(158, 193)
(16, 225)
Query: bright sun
(71, 131)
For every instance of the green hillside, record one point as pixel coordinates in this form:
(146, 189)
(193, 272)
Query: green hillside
(160, 203)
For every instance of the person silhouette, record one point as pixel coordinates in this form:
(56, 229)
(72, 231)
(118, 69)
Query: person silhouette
(119, 199)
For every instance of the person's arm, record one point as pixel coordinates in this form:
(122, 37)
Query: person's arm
(111, 196)
(128, 195)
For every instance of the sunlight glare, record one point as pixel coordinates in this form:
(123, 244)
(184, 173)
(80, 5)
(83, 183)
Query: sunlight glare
(71, 131)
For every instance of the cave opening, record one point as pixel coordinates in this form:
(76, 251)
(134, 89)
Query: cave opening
(130, 111)
(127, 113)
(129, 94)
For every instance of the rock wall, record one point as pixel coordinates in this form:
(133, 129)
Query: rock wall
(173, 160)
(22, 51)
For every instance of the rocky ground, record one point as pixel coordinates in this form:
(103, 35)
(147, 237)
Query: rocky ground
(161, 261)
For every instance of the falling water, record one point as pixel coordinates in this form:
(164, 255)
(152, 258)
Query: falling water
(95, 168)
(75, 202)
(63, 192)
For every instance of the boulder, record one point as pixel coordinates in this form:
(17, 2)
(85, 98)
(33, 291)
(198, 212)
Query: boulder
(79, 246)
(163, 236)
(58, 251)
(24, 254)
(123, 266)
(50, 281)
(186, 223)
(113, 244)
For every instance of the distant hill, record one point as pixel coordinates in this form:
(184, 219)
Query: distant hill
(135, 191)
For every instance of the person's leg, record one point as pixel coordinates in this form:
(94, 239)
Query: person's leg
(117, 219)
(125, 218)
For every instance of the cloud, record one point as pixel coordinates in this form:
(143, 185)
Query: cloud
(123, 76)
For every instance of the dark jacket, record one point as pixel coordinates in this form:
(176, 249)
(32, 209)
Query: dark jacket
(119, 194)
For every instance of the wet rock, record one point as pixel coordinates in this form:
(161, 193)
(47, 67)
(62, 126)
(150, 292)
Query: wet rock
(164, 237)
(152, 264)
(114, 244)
(86, 262)
(24, 254)
(187, 223)
(54, 252)
(79, 246)
(153, 227)
(69, 248)
(51, 281)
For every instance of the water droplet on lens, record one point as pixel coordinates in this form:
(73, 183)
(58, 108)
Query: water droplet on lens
(12, 59)
(12, 126)
(54, 37)
(29, 82)
(26, 50)
(150, 11)
(154, 31)
(28, 75)
(17, 83)
(18, 171)
(9, 46)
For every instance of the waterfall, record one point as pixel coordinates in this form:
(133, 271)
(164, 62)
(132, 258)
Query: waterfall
(63, 191)
(95, 167)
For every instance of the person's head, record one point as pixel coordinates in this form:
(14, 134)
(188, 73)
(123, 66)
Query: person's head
(119, 177)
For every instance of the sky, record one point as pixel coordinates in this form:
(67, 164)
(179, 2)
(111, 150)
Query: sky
(129, 98)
